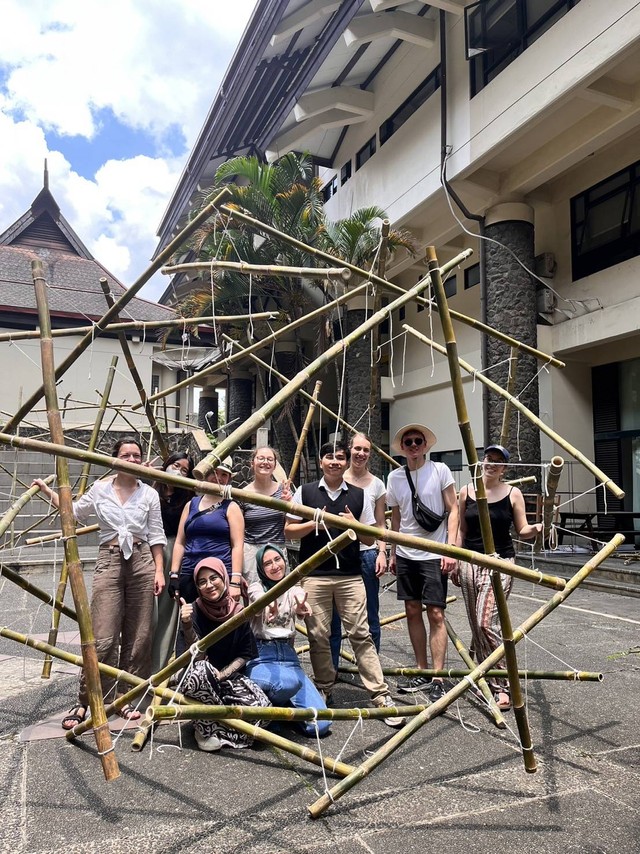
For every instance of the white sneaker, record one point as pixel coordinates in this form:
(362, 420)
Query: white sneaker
(210, 744)
(387, 702)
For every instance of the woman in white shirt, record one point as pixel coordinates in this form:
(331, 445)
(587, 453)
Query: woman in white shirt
(128, 574)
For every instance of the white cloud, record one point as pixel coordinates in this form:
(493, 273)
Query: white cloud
(154, 64)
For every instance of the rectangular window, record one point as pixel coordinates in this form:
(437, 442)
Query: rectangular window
(605, 223)
(453, 459)
(497, 31)
(415, 100)
(345, 173)
(155, 383)
(450, 286)
(366, 153)
(330, 189)
(471, 276)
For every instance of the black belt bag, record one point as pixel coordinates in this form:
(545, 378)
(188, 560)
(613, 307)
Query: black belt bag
(425, 517)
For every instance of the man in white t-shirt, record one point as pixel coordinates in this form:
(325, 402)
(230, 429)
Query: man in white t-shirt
(421, 575)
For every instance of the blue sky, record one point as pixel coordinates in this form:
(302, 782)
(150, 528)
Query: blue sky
(113, 95)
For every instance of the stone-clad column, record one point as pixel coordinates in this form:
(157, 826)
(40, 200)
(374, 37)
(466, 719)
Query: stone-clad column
(239, 401)
(208, 403)
(511, 308)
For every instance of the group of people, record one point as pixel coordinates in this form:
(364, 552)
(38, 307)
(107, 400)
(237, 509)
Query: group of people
(214, 555)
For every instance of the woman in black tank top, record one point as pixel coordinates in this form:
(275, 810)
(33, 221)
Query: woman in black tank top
(506, 507)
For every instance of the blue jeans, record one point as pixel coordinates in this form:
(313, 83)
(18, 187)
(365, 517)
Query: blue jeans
(372, 587)
(278, 672)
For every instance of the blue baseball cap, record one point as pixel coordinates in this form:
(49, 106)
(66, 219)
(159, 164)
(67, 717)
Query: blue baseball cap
(500, 449)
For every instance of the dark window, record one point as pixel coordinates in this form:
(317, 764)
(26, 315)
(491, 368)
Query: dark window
(330, 188)
(384, 326)
(605, 223)
(497, 31)
(471, 276)
(453, 459)
(402, 313)
(451, 286)
(366, 152)
(155, 383)
(345, 173)
(415, 100)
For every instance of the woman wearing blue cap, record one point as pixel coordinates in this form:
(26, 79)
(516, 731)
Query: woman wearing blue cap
(506, 507)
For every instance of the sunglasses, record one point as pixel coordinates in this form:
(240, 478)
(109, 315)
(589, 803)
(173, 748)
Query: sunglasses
(417, 442)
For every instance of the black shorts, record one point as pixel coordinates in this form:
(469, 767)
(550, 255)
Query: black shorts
(421, 581)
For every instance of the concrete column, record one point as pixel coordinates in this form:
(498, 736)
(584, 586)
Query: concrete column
(208, 403)
(239, 400)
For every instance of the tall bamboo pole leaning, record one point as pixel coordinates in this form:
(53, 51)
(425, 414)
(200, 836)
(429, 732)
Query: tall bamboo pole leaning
(37, 592)
(120, 303)
(511, 387)
(517, 698)
(82, 487)
(398, 739)
(548, 502)
(19, 503)
(374, 388)
(303, 433)
(543, 427)
(135, 376)
(259, 417)
(260, 269)
(72, 558)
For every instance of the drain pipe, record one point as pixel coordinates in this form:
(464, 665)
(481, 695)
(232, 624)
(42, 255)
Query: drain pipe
(466, 213)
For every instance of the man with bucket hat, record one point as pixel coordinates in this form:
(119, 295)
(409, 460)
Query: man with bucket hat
(423, 502)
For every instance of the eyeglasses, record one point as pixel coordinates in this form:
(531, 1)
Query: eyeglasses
(417, 442)
(129, 457)
(265, 460)
(205, 582)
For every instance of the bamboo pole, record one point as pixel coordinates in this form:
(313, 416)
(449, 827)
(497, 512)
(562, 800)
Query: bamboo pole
(245, 495)
(371, 277)
(343, 653)
(37, 592)
(72, 558)
(511, 387)
(518, 481)
(481, 684)
(374, 388)
(458, 673)
(137, 380)
(19, 503)
(207, 320)
(257, 345)
(517, 698)
(259, 416)
(57, 535)
(322, 804)
(260, 269)
(573, 452)
(548, 502)
(201, 711)
(259, 734)
(120, 303)
(304, 431)
(339, 420)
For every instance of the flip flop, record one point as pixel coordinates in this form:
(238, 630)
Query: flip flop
(503, 700)
(73, 717)
(129, 713)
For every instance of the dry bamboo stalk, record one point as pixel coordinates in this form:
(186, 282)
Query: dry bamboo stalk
(371, 277)
(146, 725)
(517, 698)
(57, 535)
(337, 767)
(319, 405)
(322, 804)
(481, 684)
(249, 497)
(72, 558)
(200, 711)
(259, 416)
(548, 501)
(518, 481)
(19, 503)
(573, 452)
(143, 325)
(257, 345)
(457, 673)
(260, 269)
(304, 431)
(122, 301)
(40, 594)
(374, 388)
(511, 387)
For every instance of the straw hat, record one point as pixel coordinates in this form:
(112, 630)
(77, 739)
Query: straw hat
(226, 465)
(429, 437)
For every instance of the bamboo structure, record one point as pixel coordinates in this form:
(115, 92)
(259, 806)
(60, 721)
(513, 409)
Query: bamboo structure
(390, 286)
(517, 698)
(137, 380)
(518, 481)
(511, 387)
(374, 388)
(465, 655)
(303, 433)
(37, 592)
(259, 416)
(72, 558)
(567, 446)
(196, 711)
(548, 501)
(259, 269)
(57, 535)
(462, 673)
(399, 738)
(124, 300)
(19, 503)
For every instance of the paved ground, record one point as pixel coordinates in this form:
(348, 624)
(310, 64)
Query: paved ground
(458, 785)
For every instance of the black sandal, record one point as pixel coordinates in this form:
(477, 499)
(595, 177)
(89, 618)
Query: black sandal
(73, 717)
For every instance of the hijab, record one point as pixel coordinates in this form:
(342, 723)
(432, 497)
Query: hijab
(224, 607)
(266, 582)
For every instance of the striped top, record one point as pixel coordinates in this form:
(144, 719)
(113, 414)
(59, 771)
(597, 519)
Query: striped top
(262, 524)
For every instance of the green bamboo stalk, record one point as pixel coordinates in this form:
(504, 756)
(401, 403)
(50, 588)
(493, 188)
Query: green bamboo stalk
(548, 501)
(511, 387)
(398, 739)
(72, 558)
(465, 655)
(457, 673)
(200, 711)
(374, 388)
(343, 653)
(57, 535)
(259, 416)
(574, 452)
(257, 345)
(518, 481)
(304, 431)
(371, 277)
(40, 594)
(259, 269)
(122, 301)
(19, 503)
(137, 380)
(517, 698)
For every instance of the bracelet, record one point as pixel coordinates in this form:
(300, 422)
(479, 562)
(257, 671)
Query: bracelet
(234, 584)
(174, 575)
